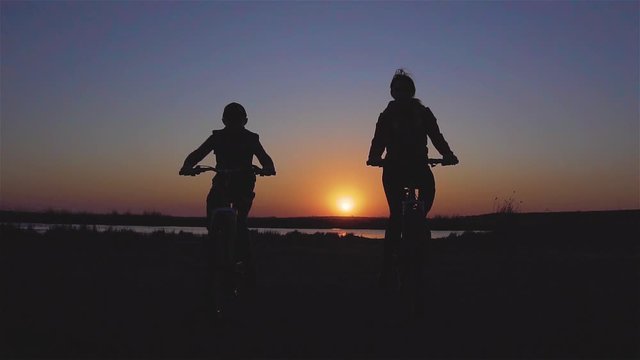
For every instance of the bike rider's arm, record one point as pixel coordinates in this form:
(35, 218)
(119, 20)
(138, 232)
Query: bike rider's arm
(379, 141)
(433, 131)
(268, 168)
(197, 155)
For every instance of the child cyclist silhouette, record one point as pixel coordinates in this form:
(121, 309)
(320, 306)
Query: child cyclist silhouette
(402, 130)
(234, 148)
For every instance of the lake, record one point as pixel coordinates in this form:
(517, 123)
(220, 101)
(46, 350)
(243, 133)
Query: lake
(365, 233)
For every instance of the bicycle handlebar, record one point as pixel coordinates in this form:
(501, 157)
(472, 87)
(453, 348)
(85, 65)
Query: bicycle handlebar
(430, 162)
(443, 162)
(199, 169)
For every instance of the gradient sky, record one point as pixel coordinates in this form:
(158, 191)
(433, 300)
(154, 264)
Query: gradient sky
(101, 101)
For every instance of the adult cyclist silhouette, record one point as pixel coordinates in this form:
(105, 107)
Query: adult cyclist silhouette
(234, 148)
(402, 130)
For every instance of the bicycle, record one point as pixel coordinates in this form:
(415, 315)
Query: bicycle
(409, 255)
(227, 274)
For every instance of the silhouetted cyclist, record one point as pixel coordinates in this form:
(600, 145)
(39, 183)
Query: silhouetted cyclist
(402, 130)
(234, 148)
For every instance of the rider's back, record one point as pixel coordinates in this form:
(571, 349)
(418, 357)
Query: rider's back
(234, 148)
(403, 129)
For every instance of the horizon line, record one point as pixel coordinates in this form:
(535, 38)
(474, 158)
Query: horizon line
(160, 214)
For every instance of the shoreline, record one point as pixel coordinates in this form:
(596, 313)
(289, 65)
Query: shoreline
(475, 222)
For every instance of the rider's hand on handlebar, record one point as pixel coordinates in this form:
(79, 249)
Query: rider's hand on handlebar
(450, 159)
(267, 172)
(374, 162)
(186, 171)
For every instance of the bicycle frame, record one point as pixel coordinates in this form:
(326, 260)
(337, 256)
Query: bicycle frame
(413, 215)
(411, 252)
(224, 270)
(223, 225)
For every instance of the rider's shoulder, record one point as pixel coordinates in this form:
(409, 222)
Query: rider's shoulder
(247, 136)
(389, 109)
(250, 134)
(417, 103)
(418, 106)
(215, 134)
(413, 102)
(428, 111)
(395, 106)
(233, 132)
(390, 105)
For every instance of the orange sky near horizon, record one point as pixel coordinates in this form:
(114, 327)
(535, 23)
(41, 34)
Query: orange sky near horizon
(304, 187)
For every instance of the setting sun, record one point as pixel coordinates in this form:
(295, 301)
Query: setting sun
(345, 200)
(345, 205)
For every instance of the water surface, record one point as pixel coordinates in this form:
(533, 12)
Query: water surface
(365, 233)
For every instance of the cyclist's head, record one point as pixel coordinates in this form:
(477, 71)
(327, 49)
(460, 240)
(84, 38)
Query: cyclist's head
(234, 116)
(402, 86)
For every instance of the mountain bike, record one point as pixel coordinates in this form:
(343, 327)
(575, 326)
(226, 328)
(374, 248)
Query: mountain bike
(409, 256)
(227, 272)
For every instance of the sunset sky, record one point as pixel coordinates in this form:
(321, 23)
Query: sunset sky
(102, 101)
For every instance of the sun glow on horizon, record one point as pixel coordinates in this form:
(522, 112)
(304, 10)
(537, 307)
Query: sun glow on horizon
(346, 204)
(345, 200)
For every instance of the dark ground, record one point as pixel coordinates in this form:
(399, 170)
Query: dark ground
(514, 293)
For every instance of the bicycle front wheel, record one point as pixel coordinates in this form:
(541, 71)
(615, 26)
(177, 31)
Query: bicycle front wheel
(222, 237)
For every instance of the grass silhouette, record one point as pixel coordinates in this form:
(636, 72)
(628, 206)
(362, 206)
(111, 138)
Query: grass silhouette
(541, 291)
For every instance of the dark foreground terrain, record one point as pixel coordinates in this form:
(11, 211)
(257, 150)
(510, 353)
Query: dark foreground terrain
(515, 293)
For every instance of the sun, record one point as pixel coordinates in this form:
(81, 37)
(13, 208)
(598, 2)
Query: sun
(345, 204)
